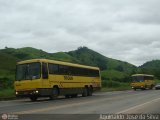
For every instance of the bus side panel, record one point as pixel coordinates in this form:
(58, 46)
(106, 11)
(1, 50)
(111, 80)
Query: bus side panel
(74, 83)
(138, 84)
(149, 83)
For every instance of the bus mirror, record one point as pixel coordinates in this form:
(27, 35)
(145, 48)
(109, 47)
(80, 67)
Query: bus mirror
(44, 71)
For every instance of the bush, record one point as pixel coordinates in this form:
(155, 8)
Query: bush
(113, 84)
(110, 83)
(6, 83)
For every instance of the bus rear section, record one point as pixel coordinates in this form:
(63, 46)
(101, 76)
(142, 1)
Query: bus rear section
(142, 81)
(48, 78)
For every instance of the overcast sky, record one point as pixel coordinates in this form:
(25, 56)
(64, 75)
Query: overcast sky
(127, 30)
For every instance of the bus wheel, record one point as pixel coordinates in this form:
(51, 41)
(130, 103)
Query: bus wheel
(55, 93)
(151, 87)
(67, 96)
(33, 98)
(145, 87)
(90, 91)
(134, 89)
(85, 92)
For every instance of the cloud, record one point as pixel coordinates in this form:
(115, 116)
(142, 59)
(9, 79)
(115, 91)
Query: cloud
(125, 30)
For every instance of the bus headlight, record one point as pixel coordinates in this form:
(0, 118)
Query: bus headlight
(16, 93)
(35, 92)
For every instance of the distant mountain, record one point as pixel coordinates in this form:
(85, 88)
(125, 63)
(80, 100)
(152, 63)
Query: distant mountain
(111, 68)
(151, 67)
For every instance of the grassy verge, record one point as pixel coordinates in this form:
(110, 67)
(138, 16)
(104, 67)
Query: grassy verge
(109, 85)
(7, 94)
(115, 89)
(117, 86)
(157, 81)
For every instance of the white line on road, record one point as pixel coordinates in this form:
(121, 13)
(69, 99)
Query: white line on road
(137, 106)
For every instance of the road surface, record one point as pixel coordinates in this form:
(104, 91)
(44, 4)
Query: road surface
(119, 102)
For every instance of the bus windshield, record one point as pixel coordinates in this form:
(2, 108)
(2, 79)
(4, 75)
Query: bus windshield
(138, 78)
(29, 71)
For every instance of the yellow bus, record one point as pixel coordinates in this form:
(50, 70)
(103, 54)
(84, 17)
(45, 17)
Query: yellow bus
(50, 78)
(142, 81)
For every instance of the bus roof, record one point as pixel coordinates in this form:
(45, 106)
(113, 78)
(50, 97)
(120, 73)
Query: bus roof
(57, 62)
(142, 75)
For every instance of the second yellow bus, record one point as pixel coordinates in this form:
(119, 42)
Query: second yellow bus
(142, 81)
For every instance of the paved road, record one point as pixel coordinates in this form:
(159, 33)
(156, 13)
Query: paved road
(128, 102)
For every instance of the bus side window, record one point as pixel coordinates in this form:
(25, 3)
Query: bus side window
(44, 71)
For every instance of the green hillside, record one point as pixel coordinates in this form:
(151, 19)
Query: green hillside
(90, 57)
(7, 69)
(151, 67)
(63, 57)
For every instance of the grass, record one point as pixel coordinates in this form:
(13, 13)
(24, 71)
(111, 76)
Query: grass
(112, 74)
(110, 85)
(117, 86)
(157, 81)
(106, 89)
(7, 94)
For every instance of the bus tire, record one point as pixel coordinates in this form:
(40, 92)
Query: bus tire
(67, 96)
(151, 87)
(145, 87)
(85, 92)
(55, 93)
(33, 98)
(90, 91)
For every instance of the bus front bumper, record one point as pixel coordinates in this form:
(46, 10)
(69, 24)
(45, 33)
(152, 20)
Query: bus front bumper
(137, 87)
(27, 93)
(35, 92)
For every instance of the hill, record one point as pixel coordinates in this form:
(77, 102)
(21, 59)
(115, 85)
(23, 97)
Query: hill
(32, 53)
(151, 67)
(111, 68)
